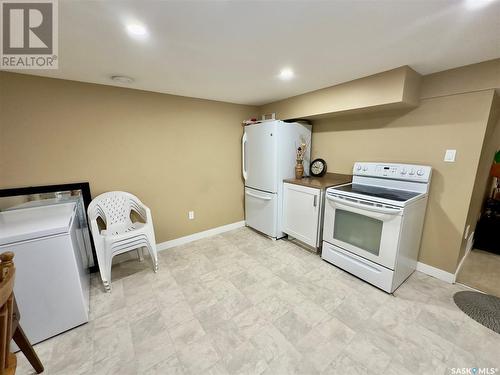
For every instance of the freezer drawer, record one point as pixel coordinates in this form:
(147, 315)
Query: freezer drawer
(261, 211)
(366, 270)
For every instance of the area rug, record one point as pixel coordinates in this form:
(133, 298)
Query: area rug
(483, 308)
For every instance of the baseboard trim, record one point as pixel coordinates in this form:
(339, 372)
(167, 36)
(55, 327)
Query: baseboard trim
(198, 236)
(436, 272)
(470, 242)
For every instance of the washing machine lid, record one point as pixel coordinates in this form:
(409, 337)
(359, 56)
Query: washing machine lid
(35, 222)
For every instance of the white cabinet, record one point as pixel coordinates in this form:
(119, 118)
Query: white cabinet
(302, 207)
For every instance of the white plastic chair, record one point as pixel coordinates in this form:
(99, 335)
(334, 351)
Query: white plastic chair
(121, 233)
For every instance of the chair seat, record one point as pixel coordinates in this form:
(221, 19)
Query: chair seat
(119, 229)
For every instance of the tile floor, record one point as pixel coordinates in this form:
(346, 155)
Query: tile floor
(481, 270)
(239, 303)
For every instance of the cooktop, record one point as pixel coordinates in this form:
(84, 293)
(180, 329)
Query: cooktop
(378, 192)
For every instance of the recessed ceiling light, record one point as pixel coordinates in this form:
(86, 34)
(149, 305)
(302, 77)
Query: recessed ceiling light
(286, 74)
(477, 4)
(124, 80)
(137, 30)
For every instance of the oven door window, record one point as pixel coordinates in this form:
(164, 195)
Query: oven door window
(358, 230)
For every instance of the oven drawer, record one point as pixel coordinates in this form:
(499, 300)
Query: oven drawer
(371, 272)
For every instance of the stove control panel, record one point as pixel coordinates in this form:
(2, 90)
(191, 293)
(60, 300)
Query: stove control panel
(407, 172)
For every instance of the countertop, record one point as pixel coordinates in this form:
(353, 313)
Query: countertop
(328, 180)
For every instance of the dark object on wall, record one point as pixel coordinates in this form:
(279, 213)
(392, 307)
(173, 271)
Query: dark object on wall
(84, 187)
(487, 236)
(318, 168)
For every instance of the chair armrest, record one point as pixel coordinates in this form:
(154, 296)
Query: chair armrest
(142, 210)
(96, 234)
(94, 228)
(149, 218)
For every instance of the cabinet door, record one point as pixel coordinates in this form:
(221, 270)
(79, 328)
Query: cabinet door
(301, 207)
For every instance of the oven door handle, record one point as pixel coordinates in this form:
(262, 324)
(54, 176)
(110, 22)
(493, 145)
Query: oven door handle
(382, 210)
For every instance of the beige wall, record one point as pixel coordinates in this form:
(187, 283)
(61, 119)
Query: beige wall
(418, 136)
(475, 77)
(177, 154)
(181, 154)
(396, 88)
(483, 181)
(453, 113)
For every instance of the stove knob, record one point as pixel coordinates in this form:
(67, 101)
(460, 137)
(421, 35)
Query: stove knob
(403, 171)
(358, 168)
(365, 168)
(412, 172)
(420, 172)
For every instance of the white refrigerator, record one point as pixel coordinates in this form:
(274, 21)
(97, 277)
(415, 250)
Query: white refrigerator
(269, 156)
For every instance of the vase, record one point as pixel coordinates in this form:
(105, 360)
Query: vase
(299, 170)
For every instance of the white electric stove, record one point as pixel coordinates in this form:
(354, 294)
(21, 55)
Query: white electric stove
(373, 226)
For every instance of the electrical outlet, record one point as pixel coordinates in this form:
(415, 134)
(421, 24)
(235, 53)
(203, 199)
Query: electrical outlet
(467, 232)
(450, 155)
(191, 215)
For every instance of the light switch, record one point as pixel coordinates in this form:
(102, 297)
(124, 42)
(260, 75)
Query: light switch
(449, 156)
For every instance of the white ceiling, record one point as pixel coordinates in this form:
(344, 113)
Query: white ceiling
(233, 50)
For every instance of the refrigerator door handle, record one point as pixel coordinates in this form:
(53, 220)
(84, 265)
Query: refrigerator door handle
(258, 196)
(243, 155)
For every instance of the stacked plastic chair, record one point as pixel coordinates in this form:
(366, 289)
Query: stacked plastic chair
(121, 234)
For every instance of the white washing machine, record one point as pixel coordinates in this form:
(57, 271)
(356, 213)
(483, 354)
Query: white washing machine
(52, 282)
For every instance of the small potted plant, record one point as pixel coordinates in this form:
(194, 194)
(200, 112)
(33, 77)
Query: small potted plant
(299, 167)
